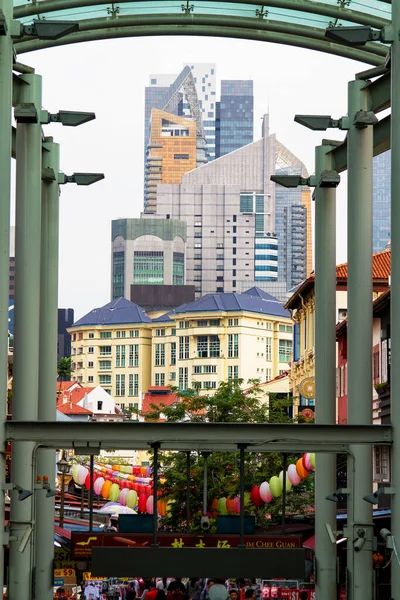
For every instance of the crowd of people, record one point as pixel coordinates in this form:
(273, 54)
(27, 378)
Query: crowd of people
(188, 589)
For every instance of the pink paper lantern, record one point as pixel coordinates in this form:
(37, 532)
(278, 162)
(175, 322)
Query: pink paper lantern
(82, 474)
(149, 505)
(122, 497)
(293, 476)
(265, 492)
(98, 485)
(236, 504)
(307, 462)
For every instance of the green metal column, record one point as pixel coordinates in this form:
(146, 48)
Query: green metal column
(395, 291)
(6, 59)
(46, 463)
(26, 340)
(359, 338)
(325, 372)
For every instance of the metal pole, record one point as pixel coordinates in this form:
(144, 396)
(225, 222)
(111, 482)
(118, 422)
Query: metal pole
(91, 471)
(188, 492)
(284, 467)
(27, 318)
(205, 457)
(359, 337)
(82, 502)
(242, 448)
(62, 500)
(325, 372)
(6, 60)
(45, 507)
(155, 493)
(395, 287)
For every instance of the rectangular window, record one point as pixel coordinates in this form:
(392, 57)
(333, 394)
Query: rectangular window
(134, 355)
(120, 385)
(202, 323)
(130, 389)
(105, 350)
(90, 379)
(160, 332)
(105, 379)
(136, 384)
(91, 336)
(134, 333)
(198, 369)
(210, 369)
(160, 379)
(91, 350)
(181, 156)
(233, 345)
(173, 353)
(268, 326)
(90, 364)
(105, 365)
(233, 372)
(268, 374)
(268, 348)
(183, 382)
(120, 356)
(214, 322)
(286, 328)
(105, 334)
(160, 355)
(285, 350)
(207, 385)
(233, 322)
(183, 347)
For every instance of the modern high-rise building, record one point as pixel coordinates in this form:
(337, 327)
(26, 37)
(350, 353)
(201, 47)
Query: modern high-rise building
(381, 202)
(171, 152)
(227, 124)
(179, 99)
(238, 233)
(234, 123)
(147, 251)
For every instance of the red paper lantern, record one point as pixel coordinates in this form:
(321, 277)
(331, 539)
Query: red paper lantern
(230, 506)
(142, 502)
(255, 496)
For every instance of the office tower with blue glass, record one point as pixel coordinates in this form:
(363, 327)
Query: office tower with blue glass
(234, 124)
(381, 202)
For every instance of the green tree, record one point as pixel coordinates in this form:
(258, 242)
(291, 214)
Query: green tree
(228, 404)
(64, 369)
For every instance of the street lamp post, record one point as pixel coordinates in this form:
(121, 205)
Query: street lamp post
(63, 467)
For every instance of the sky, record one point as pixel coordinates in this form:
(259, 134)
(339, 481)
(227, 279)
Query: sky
(109, 78)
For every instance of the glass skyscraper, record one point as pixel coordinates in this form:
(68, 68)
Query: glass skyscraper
(234, 126)
(381, 202)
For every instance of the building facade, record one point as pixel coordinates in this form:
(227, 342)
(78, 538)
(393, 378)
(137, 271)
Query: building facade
(238, 235)
(234, 122)
(111, 347)
(381, 201)
(302, 307)
(146, 251)
(246, 336)
(171, 152)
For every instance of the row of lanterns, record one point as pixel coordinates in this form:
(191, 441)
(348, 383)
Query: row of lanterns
(137, 492)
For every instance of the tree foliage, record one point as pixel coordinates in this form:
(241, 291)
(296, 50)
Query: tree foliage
(64, 368)
(228, 404)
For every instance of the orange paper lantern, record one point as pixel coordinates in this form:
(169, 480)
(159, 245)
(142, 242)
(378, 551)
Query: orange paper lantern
(301, 471)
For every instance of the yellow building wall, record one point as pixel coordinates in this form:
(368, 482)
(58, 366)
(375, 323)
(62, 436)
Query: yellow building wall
(86, 359)
(251, 363)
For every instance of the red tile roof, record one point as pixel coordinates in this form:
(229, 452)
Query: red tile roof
(380, 266)
(73, 409)
(74, 396)
(157, 399)
(63, 386)
(380, 275)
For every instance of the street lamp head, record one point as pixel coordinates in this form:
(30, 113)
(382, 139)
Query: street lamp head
(352, 36)
(22, 493)
(70, 118)
(289, 181)
(50, 30)
(87, 178)
(63, 466)
(315, 122)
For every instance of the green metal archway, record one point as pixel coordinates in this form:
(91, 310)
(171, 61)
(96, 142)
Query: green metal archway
(298, 23)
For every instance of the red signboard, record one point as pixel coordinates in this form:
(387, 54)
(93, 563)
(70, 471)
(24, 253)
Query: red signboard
(82, 543)
(8, 462)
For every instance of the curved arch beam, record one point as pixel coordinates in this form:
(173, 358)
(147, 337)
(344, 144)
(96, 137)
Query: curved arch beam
(211, 21)
(315, 8)
(209, 31)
